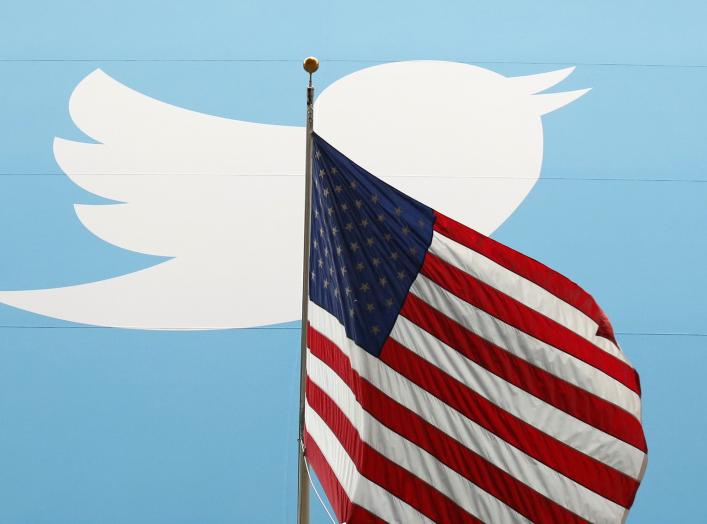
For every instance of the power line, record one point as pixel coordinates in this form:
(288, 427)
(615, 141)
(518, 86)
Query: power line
(451, 177)
(297, 328)
(355, 60)
(657, 334)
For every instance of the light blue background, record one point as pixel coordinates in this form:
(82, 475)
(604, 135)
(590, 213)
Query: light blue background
(113, 426)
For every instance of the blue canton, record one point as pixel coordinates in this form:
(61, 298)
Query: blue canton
(367, 245)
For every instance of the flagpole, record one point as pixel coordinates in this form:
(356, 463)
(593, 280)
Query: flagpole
(310, 64)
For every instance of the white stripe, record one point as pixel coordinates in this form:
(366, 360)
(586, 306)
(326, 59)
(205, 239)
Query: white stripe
(515, 462)
(542, 415)
(527, 347)
(521, 289)
(406, 454)
(358, 488)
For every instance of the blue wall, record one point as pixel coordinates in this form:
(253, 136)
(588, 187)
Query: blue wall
(116, 426)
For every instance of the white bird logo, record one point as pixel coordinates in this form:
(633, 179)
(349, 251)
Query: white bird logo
(223, 198)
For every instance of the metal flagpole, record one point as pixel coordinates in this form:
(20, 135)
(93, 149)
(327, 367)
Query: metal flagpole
(311, 64)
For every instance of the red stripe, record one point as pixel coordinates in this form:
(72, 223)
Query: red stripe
(345, 510)
(408, 424)
(590, 473)
(575, 401)
(379, 469)
(526, 319)
(530, 269)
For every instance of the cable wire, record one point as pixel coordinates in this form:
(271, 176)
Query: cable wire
(297, 328)
(358, 60)
(451, 177)
(321, 501)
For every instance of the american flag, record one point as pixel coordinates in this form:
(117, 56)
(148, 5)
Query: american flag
(451, 378)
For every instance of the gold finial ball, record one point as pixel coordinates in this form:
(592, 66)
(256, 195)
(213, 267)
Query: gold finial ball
(311, 64)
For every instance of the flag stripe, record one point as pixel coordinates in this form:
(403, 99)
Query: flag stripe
(533, 473)
(554, 390)
(389, 462)
(525, 319)
(381, 470)
(521, 289)
(359, 489)
(508, 396)
(530, 269)
(494, 481)
(346, 511)
(584, 470)
(530, 349)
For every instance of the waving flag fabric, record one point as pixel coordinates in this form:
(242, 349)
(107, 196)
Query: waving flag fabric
(452, 379)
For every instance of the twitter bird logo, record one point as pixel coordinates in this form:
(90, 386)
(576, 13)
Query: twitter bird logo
(223, 198)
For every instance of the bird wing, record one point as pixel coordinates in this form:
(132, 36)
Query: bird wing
(218, 196)
(179, 176)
